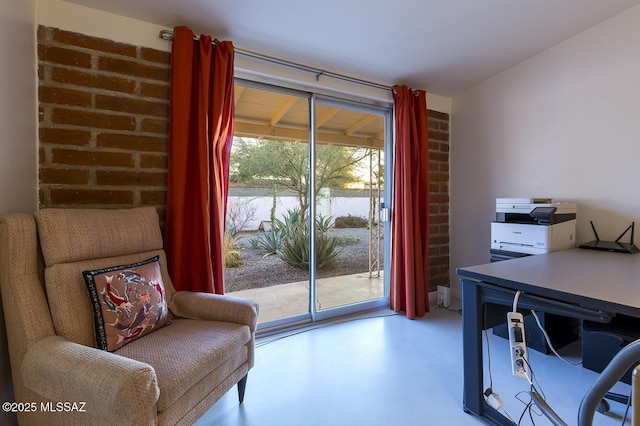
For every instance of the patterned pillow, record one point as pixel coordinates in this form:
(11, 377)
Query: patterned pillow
(128, 302)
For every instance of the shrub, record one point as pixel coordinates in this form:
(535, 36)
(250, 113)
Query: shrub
(295, 250)
(291, 223)
(231, 255)
(270, 240)
(289, 239)
(232, 259)
(323, 223)
(351, 222)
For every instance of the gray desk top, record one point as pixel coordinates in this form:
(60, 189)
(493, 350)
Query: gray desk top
(603, 276)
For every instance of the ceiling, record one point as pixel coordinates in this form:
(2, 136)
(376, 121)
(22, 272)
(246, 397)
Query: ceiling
(442, 46)
(278, 116)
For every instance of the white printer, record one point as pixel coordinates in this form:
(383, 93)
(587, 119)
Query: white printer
(528, 226)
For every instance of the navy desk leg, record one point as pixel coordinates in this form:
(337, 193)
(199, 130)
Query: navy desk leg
(473, 369)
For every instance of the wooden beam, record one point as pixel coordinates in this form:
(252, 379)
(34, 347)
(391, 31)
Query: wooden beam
(330, 112)
(237, 93)
(257, 130)
(282, 110)
(360, 124)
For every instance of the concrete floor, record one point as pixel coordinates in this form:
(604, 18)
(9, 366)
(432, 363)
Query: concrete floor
(288, 300)
(383, 369)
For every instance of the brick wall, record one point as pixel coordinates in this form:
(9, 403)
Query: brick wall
(103, 111)
(439, 197)
(103, 132)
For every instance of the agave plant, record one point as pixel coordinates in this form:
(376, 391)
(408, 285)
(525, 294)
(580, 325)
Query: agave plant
(295, 249)
(270, 240)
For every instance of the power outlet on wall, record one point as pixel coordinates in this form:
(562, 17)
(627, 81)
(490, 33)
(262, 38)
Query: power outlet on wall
(444, 296)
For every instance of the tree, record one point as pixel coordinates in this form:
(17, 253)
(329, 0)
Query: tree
(287, 164)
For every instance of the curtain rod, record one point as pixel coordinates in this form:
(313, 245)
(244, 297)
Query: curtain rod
(168, 35)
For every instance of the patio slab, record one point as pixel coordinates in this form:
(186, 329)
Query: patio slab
(287, 300)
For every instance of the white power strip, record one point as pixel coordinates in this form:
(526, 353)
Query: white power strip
(517, 345)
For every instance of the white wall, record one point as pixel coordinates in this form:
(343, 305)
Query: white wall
(71, 17)
(18, 147)
(18, 117)
(261, 206)
(563, 124)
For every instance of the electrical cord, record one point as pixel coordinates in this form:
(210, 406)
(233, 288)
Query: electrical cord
(546, 336)
(515, 300)
(458, 311)
(489, 390)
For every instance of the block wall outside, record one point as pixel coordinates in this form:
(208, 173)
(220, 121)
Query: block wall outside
(103, 132)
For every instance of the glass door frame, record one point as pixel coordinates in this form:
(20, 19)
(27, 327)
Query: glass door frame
(345, 102)
(386, 113)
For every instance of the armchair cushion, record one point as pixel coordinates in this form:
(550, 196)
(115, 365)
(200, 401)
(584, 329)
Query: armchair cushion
(187, 351)
(128, 302)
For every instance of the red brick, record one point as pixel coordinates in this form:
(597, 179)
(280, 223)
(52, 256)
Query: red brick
(111, 177)
(60, 96)
(64, 136)
(92, 158)
(155, 126)
(94, 43)
(137, 142)
(438, 135)
(43, 32)
(438, 177)
(64, 176)
(60, 55)
(132, 105)
(152, 161)
(150, 90)
(438, 156)
(155, 55)
(438, 115)
(87, 118)
(440, 198)
(153, 197)
(133, 68)
(98, 81)
(61, 196)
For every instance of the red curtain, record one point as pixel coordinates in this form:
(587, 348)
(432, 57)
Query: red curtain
(410, 221)
(200, 135)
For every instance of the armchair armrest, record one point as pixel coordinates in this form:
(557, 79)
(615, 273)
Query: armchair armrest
(115, 388)
(215, 307)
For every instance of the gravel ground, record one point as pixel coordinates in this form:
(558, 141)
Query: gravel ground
(258, 271)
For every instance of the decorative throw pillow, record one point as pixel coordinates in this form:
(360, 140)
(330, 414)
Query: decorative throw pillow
(128, 302)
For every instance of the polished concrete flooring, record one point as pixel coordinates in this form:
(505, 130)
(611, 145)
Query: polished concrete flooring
(383, 369)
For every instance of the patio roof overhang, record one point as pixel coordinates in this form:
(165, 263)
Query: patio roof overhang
(264, 114)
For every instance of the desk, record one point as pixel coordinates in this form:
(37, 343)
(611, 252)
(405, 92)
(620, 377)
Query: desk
(580, 283)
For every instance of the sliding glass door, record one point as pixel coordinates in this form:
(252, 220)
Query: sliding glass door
(304, 235)
(349, 182)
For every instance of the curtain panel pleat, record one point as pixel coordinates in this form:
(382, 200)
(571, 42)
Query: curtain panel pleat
(201, 114)
(410, 221)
